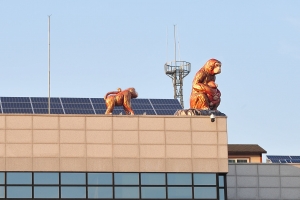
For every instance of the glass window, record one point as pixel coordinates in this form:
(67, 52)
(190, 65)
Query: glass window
(100, 178)
(73, 178)
(153, 193)
(19, 192)
(127, 192)
(231, 161)
(46, 192)
(179, 179)
(19, 178)
(2, 175)
(221, 181)
(179, 192)
(126, 178)
(46, 178)
(153, 179)
(2, 191)
(100, 192)
(73, 192)
(242, 161)
(205, 192)
(221, 194)
(204, 179)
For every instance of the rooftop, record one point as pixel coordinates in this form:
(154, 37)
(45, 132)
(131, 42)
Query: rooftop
(245, 148)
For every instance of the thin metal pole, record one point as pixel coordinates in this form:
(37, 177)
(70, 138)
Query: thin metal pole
(175, 42)
(49, 64)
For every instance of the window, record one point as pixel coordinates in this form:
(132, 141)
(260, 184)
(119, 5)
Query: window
(105, 185)
(238, 160)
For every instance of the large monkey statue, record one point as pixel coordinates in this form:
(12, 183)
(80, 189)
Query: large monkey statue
(199, 99)
(120, 98)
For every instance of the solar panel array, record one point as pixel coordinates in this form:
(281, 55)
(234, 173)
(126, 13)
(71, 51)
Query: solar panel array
(284, 159)
(39, 105)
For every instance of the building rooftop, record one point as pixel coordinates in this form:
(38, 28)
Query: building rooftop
(245, 148)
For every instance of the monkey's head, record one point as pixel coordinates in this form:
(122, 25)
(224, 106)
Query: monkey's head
(133, 93)
(213, 66)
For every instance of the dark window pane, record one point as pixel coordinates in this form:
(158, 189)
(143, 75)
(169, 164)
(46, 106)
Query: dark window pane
(127, 192)
(179, 179)
(221, 194)
(19, 192)
(126, 178)
(153, 193)
(46, 178)
(100, 192)
(221, 181)
(100, 178)
(73, 192)
(73, 178)
(2, 175)
(205, 192)
(153, 179)
(204, 179)
(2, 191)
(179, 192)
(46, 192)
(19, 178)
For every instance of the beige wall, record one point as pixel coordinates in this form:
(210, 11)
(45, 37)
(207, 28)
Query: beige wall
(113, 143)
(251, 158)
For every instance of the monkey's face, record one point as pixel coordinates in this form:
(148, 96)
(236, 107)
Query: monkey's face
(133, 93)
(217, 68)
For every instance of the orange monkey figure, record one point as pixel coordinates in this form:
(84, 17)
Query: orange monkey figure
(199, 97)
(120, 98)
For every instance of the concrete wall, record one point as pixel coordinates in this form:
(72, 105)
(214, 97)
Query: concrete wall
(263, 181)
(113, 143)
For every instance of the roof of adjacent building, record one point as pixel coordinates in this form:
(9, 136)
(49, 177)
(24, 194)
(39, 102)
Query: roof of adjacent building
(245, 148)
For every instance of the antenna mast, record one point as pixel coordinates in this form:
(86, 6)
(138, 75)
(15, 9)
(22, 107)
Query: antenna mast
(49, 64)
(177, 70)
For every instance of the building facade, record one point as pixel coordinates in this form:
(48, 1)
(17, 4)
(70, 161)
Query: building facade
(112, 157)
(263, 181)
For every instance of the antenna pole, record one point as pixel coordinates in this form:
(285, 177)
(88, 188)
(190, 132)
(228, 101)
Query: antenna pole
(49, 64)
(175, 41)
(177, 71)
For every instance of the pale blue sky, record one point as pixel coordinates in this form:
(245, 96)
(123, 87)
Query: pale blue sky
(98, 46)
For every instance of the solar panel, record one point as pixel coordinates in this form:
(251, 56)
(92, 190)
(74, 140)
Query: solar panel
(18, 110)
(16, 105)
(166, 107)
(284, 159)
(141, 107)
(44, 100)
(15, 99)
(295, 157)
(99, 106)
(98, 100)
(39, 105)
(165, 101)
(45, 111)
(140, 101)
(278, 157)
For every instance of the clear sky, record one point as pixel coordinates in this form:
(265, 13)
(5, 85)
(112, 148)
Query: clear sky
(98, 46)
